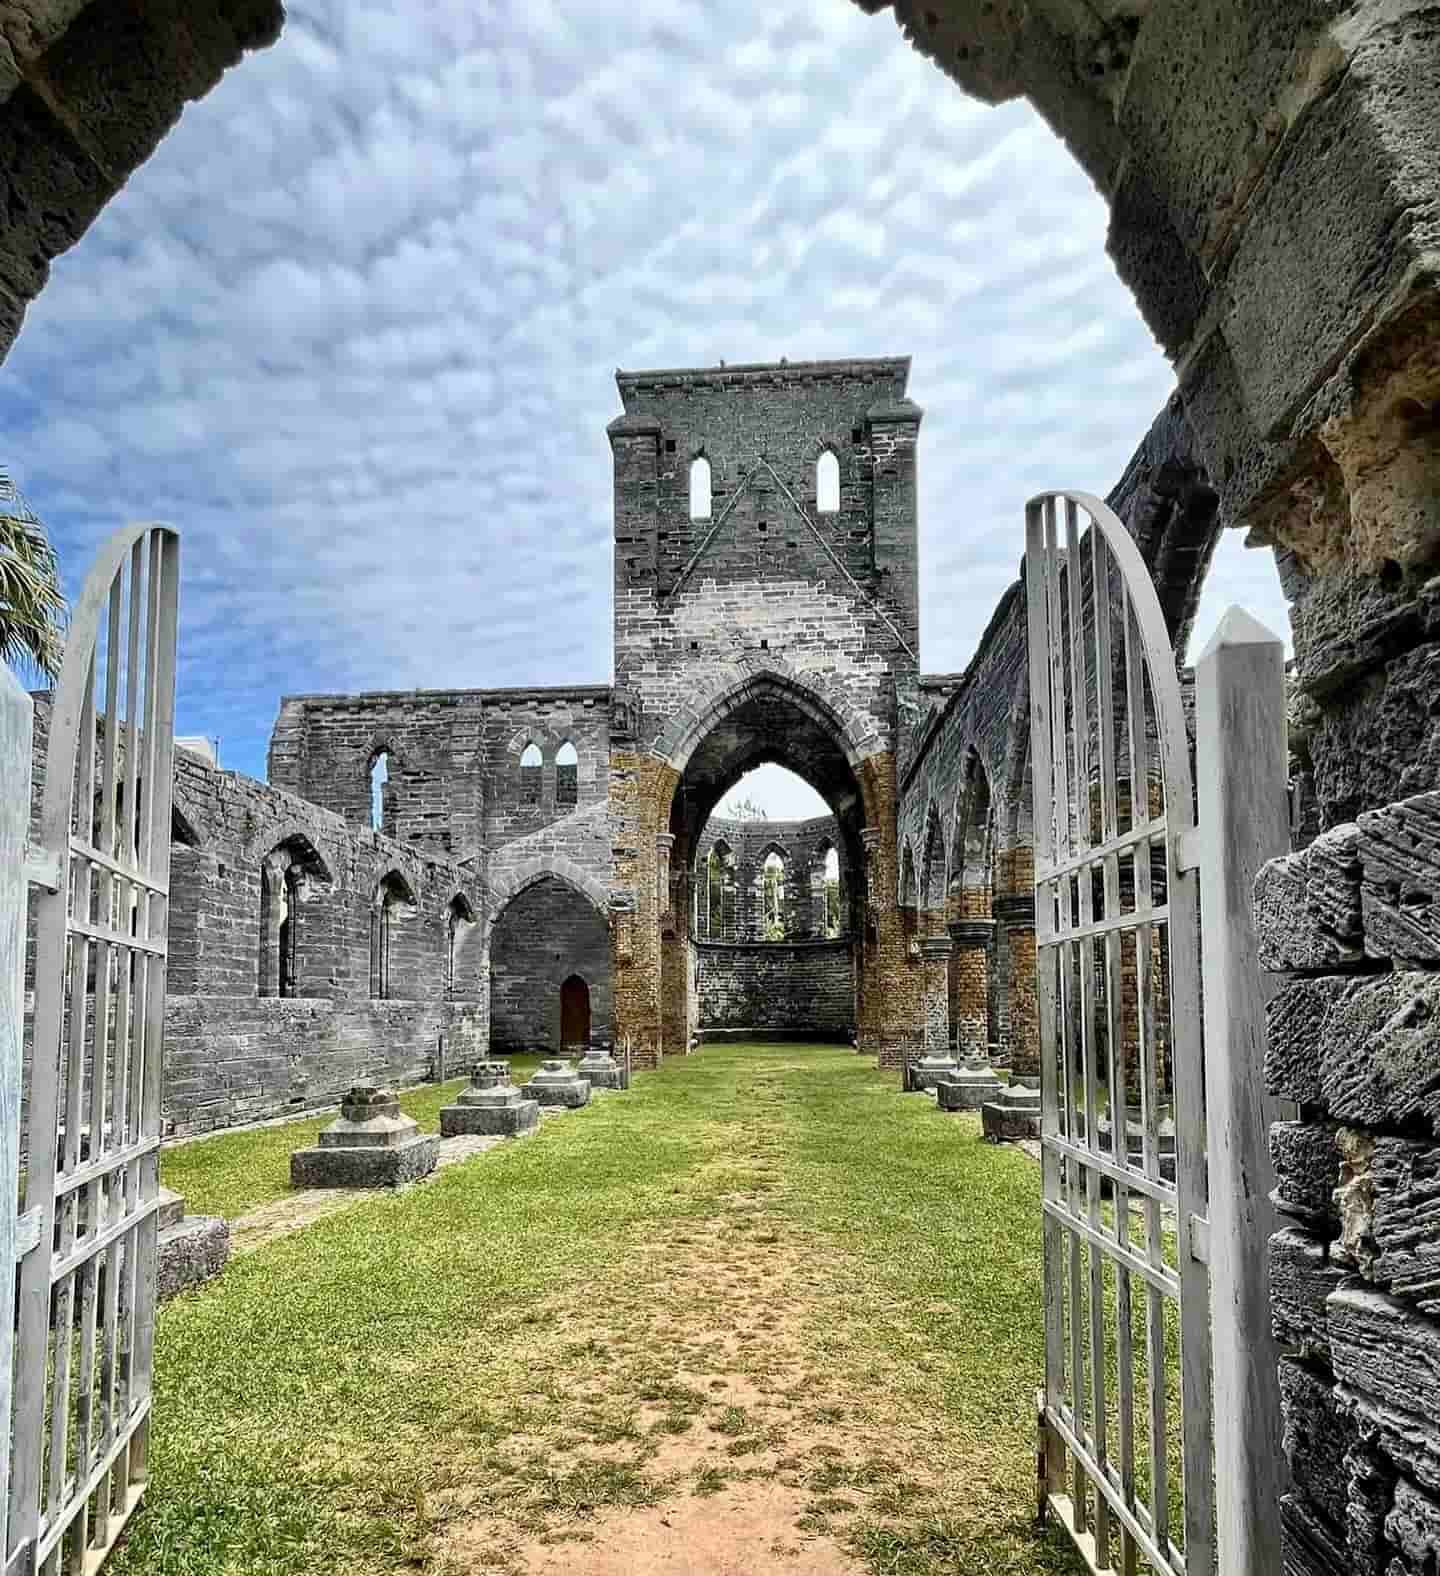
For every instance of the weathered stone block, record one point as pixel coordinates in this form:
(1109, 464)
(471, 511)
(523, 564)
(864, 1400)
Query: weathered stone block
(1363, 1048)
(1404, 1224)
(1315, 1442)
(1308, 1547)
(967, 1089)
(1387, 1356)
(1307, 1170)
(370, 1144)
(1400, 859)
(490, 1105)
(189, 1252)
(1015, 1115)
(1307, 906)
(1302, 1276)
(601, 1071)
(1414, 1525)
(557, 1083)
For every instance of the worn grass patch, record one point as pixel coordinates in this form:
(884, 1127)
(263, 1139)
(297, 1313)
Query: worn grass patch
(762, 1271)
(233, 1173)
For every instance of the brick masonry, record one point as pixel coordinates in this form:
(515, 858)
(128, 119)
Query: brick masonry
(804, 988)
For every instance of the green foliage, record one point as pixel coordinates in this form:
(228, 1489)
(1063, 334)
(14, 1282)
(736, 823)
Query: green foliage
(32, 605)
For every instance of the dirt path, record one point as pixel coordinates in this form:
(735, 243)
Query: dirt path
(705, 1376)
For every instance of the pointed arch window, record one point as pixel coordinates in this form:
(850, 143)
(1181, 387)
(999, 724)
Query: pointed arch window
(830, 888)
(459, 917)
(700, 488)
(393, 901)
(532, 765)
(827, 484)
(772, 876)
(567, 776)
(382, 793)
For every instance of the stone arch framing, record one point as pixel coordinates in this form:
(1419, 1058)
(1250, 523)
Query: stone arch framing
(932, 873)
(506, 885)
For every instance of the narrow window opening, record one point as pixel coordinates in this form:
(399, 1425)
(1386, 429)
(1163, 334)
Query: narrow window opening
(567, 775)
(827, 484)
(773, 879)
(382, 795)
(531, 767)
(700, 488)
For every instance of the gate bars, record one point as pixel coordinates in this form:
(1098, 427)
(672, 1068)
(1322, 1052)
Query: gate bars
(1118, 966)
(86, 1315)
(1156, 1210)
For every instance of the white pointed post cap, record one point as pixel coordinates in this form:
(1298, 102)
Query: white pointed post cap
(1239, 628)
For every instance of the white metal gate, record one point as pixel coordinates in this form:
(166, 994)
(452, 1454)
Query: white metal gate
(85, 1323)
(1126, 1457)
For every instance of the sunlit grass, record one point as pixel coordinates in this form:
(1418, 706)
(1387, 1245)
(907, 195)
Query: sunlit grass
(508, 1340)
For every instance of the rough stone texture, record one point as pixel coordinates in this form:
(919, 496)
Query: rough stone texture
(1307, 907)
(967, 1090)
(557, 1083)
(1364, 1048)
(1014, 1115)
(189, 1252)
(804, 989)
(1386, 1351)
(370, 1144)
(1302, 1276)
(490, 1105)
(1400, 857)
(1317, 1441)
(548, 933)
(1307, 1170)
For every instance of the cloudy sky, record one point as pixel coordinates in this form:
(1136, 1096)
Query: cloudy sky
(353, 328)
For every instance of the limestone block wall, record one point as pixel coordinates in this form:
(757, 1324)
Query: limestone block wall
(231, 1059)
(547, 934)
(803, 990)
(453, 759)
(802, 845)
(1351, 928)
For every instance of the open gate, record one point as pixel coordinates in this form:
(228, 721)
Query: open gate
(91, 1128)
(1126, 1451)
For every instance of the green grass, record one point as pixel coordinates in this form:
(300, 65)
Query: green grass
(233, 1173)
(525, 1338)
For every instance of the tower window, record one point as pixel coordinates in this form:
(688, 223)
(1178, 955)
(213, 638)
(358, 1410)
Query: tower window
(700, 488)
(567, 775)
(827, 484)
(531, 763)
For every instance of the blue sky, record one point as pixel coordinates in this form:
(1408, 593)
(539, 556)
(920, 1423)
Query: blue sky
(353, 328)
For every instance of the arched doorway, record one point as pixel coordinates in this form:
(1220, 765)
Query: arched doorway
(574, 1014)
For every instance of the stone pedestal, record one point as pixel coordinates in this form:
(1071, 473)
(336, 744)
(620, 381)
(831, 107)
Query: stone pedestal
(1015, 1113)
(190, 1249)
(601, 1071)
(939, 1061)
(968, 1087)
(491, 1105)
(557, 1083)
(370, 1144)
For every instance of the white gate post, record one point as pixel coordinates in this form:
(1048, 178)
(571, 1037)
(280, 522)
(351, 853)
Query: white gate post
(16, 723)
(1240, 762)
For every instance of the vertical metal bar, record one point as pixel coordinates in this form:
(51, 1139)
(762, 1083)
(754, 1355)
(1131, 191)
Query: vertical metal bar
(155, 862)
(1037, 576)
(1240, 763)
(16, 754)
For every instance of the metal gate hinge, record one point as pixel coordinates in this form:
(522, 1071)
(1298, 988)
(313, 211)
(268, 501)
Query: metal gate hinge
(1187, 850)
(27, 1232)
(1199, 1239)
(42, 868)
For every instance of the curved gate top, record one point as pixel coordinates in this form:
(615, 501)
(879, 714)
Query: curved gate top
(1126, 1416)
(86, 1315)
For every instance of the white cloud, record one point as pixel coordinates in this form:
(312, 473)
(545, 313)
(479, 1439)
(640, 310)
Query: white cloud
(353, 327)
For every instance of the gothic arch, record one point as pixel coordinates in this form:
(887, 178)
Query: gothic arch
(506, 885)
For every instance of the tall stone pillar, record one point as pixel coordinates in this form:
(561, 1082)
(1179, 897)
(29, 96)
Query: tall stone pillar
(641, 789)
(970, 987)
(867, 1029)
(1016, 912)
(938, 1060)
(674, 949)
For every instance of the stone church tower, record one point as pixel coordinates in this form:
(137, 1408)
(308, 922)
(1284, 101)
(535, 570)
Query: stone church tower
(766, 609)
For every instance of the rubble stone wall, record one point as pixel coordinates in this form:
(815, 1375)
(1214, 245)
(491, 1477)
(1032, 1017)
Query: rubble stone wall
(1351, 929)
(802, 845)
(798, 989)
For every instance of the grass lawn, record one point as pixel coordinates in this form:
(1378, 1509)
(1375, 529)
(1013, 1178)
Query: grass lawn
(762, 1294)
(233, 1173)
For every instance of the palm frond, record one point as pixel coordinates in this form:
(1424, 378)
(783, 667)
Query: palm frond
(33, 614)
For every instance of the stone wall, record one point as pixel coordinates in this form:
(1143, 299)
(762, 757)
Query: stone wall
(738, 901)
(548, 933)
(800, 990)
(453, 759)
(1351, 928)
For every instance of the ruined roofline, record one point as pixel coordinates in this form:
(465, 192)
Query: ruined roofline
(897, 367)
(509, 696)
(810, 823)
